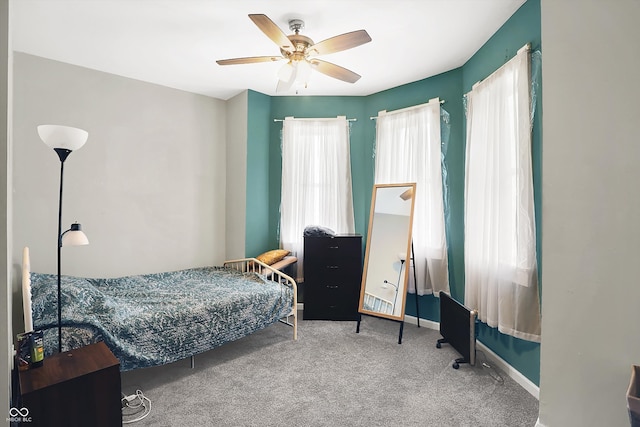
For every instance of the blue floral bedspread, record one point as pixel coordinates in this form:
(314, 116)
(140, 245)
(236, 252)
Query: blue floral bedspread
(154, 319)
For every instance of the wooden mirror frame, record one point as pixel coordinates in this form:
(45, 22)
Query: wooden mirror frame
(388, 251)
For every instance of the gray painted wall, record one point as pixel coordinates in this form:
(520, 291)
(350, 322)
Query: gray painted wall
(236, 160)
(590, 211)
(148, 186)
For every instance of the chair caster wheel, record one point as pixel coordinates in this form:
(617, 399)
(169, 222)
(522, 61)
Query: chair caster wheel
(455, 365)
(438, 345)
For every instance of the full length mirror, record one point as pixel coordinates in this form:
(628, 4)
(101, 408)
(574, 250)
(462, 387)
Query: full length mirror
(388, 251)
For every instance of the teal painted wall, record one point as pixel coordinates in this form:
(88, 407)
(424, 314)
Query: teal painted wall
(521, 28)
(258, 174)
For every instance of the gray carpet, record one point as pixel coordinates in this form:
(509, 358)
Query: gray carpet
(331, 377)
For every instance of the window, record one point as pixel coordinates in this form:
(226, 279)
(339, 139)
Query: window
(408, 149)
(501, 277)
(316, 180)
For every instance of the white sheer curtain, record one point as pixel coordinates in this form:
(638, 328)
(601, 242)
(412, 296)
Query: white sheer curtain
(500, 240)
(408, 150)
(316, 180)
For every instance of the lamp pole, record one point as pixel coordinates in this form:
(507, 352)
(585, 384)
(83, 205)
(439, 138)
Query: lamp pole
(63, 153)
(398, 286)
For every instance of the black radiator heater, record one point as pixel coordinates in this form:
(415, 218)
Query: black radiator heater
(458, 328)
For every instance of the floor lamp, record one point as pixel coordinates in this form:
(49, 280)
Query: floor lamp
(64, 140)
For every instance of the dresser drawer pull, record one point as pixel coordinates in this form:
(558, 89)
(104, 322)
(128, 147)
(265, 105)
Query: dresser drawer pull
(333, 267)
(334, 247)
(333, 286)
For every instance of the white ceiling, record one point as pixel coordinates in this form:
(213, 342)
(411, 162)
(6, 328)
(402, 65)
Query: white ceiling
(175, 43)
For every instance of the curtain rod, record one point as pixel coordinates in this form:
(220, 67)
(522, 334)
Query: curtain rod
(525, 48)
(310, 118)
(408, 108)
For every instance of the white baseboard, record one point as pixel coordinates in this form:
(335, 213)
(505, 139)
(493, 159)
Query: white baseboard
(496, 360)
(423, 322)
(515, 375)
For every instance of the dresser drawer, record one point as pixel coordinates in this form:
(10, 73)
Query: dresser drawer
(333, 249)
(341, 311)
(326, 289)
(331, 302)
(330, 276)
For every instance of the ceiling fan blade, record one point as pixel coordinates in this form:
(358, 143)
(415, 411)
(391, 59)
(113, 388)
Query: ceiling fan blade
(249, 60)
(335, 71)
(272, 31)
(339, 43)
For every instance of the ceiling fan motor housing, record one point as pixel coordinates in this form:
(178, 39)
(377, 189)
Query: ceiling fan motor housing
(300, 43)
(296, 25)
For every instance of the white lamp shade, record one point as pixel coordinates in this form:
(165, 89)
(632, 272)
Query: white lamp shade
(57, 136)
(285, 72)
(74, 236)
(304, 72)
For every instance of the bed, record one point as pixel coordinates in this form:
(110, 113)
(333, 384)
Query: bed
(154, 319)
(377, 304)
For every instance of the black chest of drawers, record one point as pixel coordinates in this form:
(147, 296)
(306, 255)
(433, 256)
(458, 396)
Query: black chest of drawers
(332, 277)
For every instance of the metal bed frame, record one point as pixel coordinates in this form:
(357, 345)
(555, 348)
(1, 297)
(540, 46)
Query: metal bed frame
(252, 265)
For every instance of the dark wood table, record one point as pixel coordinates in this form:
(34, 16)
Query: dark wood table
(80, 387)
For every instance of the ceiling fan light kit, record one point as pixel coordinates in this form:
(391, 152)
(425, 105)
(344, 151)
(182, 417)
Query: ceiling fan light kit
(300, 53)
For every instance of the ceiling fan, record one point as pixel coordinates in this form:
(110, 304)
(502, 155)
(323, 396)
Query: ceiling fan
(300, 52)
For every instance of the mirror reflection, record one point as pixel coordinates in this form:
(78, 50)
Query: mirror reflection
(388, 251)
